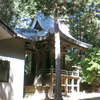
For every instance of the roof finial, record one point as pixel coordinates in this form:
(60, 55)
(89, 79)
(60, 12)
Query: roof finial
(38, 12)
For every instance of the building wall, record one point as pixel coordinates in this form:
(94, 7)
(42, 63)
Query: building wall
(13, 50)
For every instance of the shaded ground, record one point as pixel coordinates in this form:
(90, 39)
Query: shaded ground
(71, 96)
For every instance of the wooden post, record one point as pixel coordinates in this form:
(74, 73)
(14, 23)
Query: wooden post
(52, 80)
(66, 86)
(42, 58)
(36, 68)
(37, 60)
(78, 86)
(78, 82)
(72, 85)
(69, 83)
(33, 68)
(64, 61)
(58, 94)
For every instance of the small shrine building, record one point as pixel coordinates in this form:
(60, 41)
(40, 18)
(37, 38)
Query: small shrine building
(43, 53)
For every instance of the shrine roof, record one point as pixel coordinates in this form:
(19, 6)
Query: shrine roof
(47, 25)
(6, 32)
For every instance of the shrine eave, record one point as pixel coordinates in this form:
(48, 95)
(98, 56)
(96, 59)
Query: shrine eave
(47, 24)
(7, 32)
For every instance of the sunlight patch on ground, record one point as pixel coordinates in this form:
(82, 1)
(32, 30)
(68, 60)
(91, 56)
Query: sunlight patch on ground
(71, 96)
(36, 96)
(82, 96)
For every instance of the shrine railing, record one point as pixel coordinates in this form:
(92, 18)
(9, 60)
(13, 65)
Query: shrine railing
(63, 72)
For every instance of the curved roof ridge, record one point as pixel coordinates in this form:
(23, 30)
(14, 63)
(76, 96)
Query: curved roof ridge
(47, 24)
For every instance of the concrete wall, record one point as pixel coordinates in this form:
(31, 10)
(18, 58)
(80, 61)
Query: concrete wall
(13, 50)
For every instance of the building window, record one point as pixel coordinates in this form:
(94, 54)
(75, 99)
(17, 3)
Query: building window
(4, 71)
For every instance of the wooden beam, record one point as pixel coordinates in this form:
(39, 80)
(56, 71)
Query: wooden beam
(30, 50)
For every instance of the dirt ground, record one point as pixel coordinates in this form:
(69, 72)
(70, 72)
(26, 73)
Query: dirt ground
(82, 96)
(71, 96)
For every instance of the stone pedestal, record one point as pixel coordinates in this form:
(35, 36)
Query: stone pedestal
(46, 89)
(39, 88)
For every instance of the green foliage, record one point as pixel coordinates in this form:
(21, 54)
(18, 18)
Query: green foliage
(68, 62)
(28, 63)
(11, 11)
(85, 26)
(6, 10)
(91, 67)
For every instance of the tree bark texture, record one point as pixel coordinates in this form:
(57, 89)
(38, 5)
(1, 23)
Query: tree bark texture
(58, 94)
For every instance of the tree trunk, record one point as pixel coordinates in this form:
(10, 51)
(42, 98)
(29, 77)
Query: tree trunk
(58, 94)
